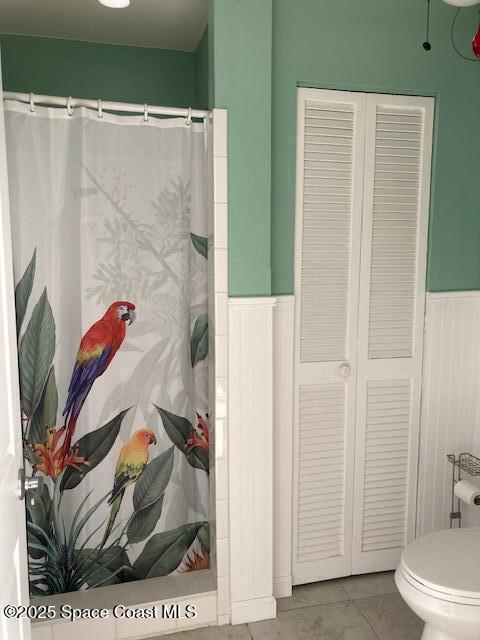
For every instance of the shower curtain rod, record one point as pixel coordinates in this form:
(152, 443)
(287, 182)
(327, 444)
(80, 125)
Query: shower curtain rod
(101, 105)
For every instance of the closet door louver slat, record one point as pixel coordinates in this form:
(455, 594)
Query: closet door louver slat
(329, 199)
(321, 472)
(393, 273)
(327, 193)
(387, 441)
(392, 297)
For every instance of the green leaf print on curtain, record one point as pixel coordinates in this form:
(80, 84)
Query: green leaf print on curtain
(23, 291)
(199, 339)
(192, 442)
(201, 244)
(36, 351)
(164, 552)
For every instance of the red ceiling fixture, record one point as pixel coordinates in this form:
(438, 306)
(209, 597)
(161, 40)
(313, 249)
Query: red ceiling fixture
(460, 4)
(476, 42)
(476, 37)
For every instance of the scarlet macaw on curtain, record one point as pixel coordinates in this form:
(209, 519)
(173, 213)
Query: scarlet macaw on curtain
(97, 349)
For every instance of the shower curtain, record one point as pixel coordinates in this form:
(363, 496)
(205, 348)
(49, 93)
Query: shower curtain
(109, 231)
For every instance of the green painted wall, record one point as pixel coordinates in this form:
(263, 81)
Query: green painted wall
(375, 45)
(88, 70)
(371, 45)
(201, 73)
(242, 62)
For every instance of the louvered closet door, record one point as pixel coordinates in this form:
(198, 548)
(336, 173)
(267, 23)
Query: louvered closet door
(391, 316)
(330, 138)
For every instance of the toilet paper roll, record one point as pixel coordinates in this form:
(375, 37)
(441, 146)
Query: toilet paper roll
(467, 492)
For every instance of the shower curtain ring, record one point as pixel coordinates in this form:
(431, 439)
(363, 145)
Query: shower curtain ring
(189, 116)
(32, 104)
(145, 112)
(100, 109)
(69, 106)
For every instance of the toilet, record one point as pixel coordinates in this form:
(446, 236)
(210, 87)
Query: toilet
(439, 579)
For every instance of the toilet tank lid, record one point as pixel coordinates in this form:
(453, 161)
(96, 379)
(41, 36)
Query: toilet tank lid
(447, 561)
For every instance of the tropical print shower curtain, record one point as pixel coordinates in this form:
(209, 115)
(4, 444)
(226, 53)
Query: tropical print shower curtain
(109, 231)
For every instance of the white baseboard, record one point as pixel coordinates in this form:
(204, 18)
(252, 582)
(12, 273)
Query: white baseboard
(254, 610)
(282, 587)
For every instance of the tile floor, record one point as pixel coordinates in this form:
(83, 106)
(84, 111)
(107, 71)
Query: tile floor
(357, 608)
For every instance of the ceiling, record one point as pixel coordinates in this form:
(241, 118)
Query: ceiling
(164, 24)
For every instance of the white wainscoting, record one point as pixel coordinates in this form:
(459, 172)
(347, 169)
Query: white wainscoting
(250, 409)
(450, 421)
(283, 342)
(450, 418)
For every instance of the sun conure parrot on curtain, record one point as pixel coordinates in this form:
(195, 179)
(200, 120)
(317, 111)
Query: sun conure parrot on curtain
(97, 348)
(132, 460)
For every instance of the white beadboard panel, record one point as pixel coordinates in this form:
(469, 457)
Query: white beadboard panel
(387, 445)
(450, 404)
(251, 456)
(283, 341)
(321, 472)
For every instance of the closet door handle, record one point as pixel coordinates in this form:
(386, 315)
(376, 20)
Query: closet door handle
(344, 370)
